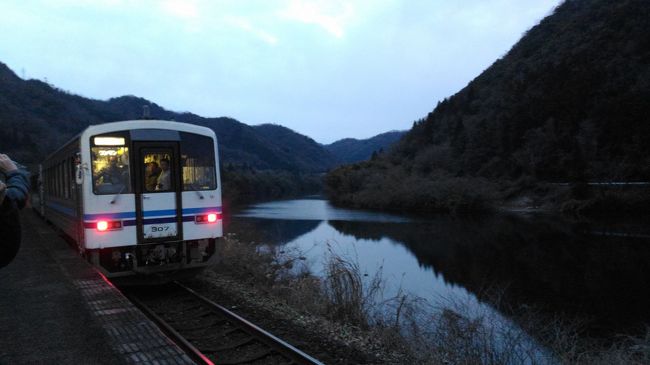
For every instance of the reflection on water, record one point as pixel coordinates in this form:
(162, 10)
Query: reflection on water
(314, 209)
(591, 270)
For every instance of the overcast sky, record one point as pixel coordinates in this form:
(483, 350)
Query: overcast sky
(328, 69)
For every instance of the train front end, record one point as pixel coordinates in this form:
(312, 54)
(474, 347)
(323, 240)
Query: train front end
(151, 197)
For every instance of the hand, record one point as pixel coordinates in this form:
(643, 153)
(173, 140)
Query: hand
(6, 165)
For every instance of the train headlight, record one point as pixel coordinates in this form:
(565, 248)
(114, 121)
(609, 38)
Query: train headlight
(212, 217)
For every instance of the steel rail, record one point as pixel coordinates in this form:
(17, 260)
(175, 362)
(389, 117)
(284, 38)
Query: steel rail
(280, 345)
(184, 344)
(265, 338)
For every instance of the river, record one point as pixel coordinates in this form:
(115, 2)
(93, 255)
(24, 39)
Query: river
(589, 270)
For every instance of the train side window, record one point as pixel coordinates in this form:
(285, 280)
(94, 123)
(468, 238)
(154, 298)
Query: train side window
(73, 187)
(49, 181)
(58, 180)
(59, 172)
(197, 162)
(110, 170)
(66, 180)
(62, 169)
(54, 181)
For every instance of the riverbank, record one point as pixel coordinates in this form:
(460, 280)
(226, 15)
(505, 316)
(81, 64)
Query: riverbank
(330, 318)
(246, 185)
(465, 196)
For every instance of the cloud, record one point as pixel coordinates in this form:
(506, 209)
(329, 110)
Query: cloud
(328, 68)
(246, 25)
(184, 9)
(332, 16)
(84, 3)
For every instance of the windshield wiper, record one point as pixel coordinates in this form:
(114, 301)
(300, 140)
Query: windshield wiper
(196, 190)
(118, 195)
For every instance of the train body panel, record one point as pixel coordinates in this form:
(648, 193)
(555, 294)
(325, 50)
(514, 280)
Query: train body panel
(207, 203)
(140, 196)
(63, 215)
(99, 208)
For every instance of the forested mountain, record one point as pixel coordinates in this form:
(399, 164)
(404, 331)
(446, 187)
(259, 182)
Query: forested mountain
(36, 118)
(303, 149)
(569, 102)
(351, 150)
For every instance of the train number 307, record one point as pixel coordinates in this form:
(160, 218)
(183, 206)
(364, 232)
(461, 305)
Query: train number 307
(159, 229)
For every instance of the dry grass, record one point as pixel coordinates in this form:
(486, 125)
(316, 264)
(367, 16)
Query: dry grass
(351, 295)
(455, 332)
(274, 270)
(625, 350)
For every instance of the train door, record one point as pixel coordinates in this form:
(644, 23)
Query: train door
(158, 199)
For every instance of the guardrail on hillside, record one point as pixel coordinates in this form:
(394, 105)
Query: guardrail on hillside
(612, 183)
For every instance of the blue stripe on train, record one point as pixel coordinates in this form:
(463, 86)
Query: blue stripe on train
(201, 210)
(157, 213)
(132, 222)
(159, 220)
(121, 215)
(149, 213)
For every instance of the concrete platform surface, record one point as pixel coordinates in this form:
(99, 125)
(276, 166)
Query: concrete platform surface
(56, 309)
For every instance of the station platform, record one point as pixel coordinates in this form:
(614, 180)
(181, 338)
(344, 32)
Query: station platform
(56, 309)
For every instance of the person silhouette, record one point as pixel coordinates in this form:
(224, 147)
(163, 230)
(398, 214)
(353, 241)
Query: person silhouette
(164, 179)
(151, 176)
(14, 194)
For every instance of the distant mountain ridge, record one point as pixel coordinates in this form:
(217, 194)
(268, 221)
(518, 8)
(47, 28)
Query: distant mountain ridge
(349, 150)
(293, 143)
(36, 118)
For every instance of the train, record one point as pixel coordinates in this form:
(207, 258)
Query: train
(137, 197)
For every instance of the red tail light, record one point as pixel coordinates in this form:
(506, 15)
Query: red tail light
(207, 218)
(102, 225)
(108, 225)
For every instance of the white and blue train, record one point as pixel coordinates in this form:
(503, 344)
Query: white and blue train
(137, 197)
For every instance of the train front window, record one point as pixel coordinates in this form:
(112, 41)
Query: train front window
(110, 170)
(198, 163)
(158, 170)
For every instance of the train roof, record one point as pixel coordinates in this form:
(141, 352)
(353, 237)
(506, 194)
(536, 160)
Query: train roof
(146, 124)
(134, 125)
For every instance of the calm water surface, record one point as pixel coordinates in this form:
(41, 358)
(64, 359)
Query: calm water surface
(594, 271)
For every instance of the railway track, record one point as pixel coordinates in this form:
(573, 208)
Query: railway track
(210, 333)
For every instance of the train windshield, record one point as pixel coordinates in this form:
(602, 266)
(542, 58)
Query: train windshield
(158, 170)
(110, 166)
(197, 162)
